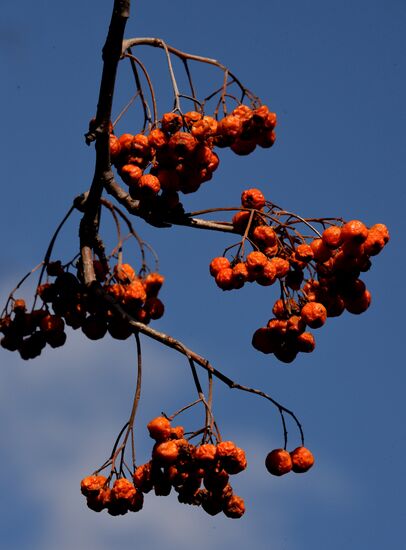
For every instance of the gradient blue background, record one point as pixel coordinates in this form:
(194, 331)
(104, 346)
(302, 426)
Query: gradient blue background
(335, 74)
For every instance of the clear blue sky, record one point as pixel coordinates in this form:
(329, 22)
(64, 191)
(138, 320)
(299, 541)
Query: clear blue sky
(335, 73)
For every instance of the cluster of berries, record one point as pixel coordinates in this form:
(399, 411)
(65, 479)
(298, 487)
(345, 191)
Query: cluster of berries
(279, 461)
(264, 265)
(333, 261)
(121, 498)
(66, 302)
(29, 332)
(179, 154)
(175, 463)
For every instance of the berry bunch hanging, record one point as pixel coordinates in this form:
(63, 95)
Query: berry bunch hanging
(316, 264)
(199, 475)
(318, 275)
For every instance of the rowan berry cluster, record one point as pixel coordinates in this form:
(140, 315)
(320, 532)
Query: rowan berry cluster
(66, 302)
(279, 461)
(177, 464)
(318, 275)
(121, 498)
(179, 153)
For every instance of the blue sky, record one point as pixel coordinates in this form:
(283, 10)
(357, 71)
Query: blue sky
(335, 74)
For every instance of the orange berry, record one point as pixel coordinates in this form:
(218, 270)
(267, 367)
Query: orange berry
(205, 453)
(240, 221)
(243, 147)
(295, 325)
(126, 142)
(234, 507)
(159, 428)
(314, 314)
(331, 236)
(354, 231)
(268, 275)
(240, 274)
(304, 253)
(149, 184)
(383, 230)
(266, 139)
(226, 449)
(130, 174)
(123, 489)
(232, 458)
(19, 305)
(204, 128)
(278, 326)
(229, 127)
(262, 341)
(157, 138)
(224, 279)
(136, 502)
(253, 198)
(305, 342)
(140, 145)
(264, 235)
(237, 463)
(115, 147)
(182, 143)
(124, 273)
(281, 265)
(271, 120)
(261, 113)
(134, 292)
(92, 485)
(115, 290)
(152, 283)
(101, 501)
(166, 452)
(177, 432)
(154, 307)
(278, 462)
(374, 242)
(334, 305)
(217, 264)
(255, 262)
(359, 304)
(168, 179)
(171, 122)
(302, 460)
(320, 250)
(191, 117)
(243, 112)
(142, 477)
(271, 251)
(282, 309)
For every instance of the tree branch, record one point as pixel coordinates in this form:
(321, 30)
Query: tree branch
(111, 56)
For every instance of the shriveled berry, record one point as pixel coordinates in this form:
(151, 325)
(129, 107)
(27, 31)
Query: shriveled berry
(217, 264)
(253, 198)
(234, 507)
(92, 484)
